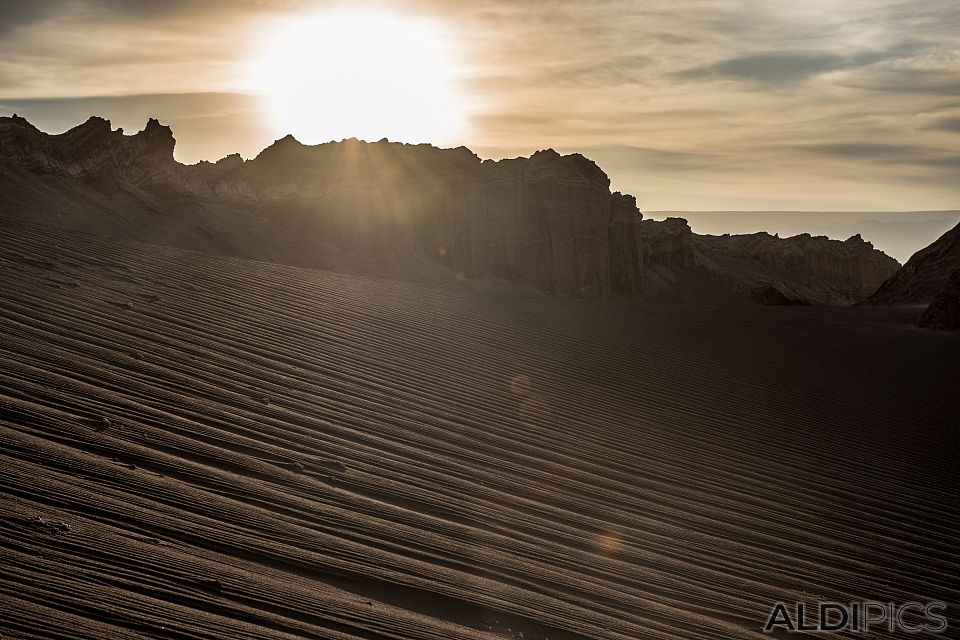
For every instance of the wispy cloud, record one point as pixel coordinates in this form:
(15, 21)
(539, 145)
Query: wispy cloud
(791, 67)
(874, 152)
(951, 124)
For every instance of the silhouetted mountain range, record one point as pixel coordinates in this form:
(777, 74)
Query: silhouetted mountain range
(548, 222)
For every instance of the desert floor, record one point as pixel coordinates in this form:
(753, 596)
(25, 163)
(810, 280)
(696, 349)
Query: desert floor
(201, 447)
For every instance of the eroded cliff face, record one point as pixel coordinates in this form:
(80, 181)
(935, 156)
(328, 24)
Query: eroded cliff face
(548, 221)
(944, 311)
(625, 245)
(542, 221)
(853, 265)
(93, 152)
(767, 269)
(924, 274)
(668, 243)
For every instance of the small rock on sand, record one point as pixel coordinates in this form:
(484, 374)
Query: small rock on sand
(210, 584)
(49, 526)
(328, 465)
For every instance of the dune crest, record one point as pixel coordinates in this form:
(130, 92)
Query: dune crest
(200, 446)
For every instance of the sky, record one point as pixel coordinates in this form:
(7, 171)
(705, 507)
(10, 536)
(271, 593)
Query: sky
(692, 105)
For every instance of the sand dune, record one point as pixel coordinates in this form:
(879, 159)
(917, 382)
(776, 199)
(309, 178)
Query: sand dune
(205, 447)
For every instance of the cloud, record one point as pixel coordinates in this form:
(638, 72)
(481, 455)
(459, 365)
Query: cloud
(951, 163)
(951, 124)
(944, 82)
(768, 68)
(788, 67)
(867, 150)
(609, 71)
(17, 13)
(884, 153)
(649, 159)
(21, 13)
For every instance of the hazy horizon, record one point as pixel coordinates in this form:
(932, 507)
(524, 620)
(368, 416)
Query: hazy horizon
(899, 234)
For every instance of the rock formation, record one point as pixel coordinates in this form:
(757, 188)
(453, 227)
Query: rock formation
(944, 311)
(92, 151)
(625, 245)
(853, 265)
(668, 243)
(924, 274)
(548, 221)
(542, 221)
(682, 266)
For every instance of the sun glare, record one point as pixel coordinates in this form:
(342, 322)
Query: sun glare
(368, 76)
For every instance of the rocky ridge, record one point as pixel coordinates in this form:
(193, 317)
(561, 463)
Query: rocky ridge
(802, 269)
(853, 264)
(548, 222)
(542, 221)
(944, 311)
(924, 275)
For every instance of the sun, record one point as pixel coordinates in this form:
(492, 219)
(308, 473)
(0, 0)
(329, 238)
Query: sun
(362, 75)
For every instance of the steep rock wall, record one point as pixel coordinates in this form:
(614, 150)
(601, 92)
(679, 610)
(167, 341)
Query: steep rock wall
(924, 274)
(944, 311)
(541, 221)
(852, 264)
(548, 221)
(625, 245)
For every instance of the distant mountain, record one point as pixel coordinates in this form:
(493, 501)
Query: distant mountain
(924, 275)
(681, 266)
(547, 223)
(898, 234)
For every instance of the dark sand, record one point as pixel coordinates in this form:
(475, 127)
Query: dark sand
(202, 447)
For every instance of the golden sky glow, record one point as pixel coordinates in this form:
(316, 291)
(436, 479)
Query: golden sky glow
(706, 104)
(360, 74)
